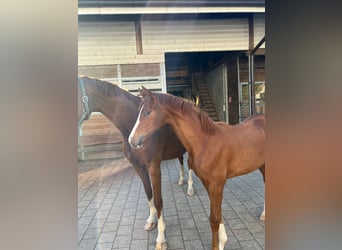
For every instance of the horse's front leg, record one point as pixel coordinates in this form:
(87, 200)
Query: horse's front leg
(141, 170)
(145, 178)
(158, 201)
(219, 235)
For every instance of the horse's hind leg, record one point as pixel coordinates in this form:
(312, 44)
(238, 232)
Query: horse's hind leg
(190, 191)
(263, 214)
(181, 170)
(190, 181)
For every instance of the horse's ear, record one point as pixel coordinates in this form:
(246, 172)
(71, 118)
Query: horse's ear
(143, 91)
(149, 97)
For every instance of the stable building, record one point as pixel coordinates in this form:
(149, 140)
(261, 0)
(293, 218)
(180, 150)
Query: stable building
(211, 49)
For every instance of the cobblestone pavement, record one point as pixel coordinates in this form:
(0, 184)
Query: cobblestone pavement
(112, 209)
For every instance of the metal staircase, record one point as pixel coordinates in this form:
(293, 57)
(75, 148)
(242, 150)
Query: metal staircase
(206, 101)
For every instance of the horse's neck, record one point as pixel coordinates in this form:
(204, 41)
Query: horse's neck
(189, 131)
(123, 121)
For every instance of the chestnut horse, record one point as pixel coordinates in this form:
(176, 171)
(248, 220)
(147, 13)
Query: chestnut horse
(122, 109)
(217, 151)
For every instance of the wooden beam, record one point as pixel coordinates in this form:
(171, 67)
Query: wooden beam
(138, 38)
(251, 32)
(258, 45)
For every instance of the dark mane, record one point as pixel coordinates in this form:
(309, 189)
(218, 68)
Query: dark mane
(207, 124)
(105, 88)
(108, 89)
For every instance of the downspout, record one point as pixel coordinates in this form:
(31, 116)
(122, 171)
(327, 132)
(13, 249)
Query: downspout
(251, 76)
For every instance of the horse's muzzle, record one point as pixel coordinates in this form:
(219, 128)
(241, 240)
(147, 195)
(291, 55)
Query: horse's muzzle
(136, 143)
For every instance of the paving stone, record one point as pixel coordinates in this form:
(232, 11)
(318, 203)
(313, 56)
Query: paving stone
(203, 227)
(139, 234)
(87, 244)
(240, 209)
(175, 242)
(122, 241)
(110, 226)
(170, 211)
(250, 245)
(182, 206)
(254, 228)
(232, 243)
(94, 205)
(127, 220)
(236, 224)
(92, 233)
(193, 245)
(90, 212)
(242, 234)
(107, 237)
(112, 211)
(173, 230)
(139, 244)
(125, 230)
(206, 238)
(103, 246)
(85, 220)
(197, 209)
(97, 223)
(260, 238)
(82, 229)
(184, 215)
(129, 212)
(172, 220)
(190, 234)
(187, 223)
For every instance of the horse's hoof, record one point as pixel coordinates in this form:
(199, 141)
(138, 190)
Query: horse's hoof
(149, 226)
(262, 217)
(161, 246)
(181, 182)
(191, 192)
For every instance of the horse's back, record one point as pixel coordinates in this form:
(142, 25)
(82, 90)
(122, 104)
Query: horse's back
(256, 121)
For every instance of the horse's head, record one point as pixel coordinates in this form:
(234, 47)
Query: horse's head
(82, 103)
(150, 118)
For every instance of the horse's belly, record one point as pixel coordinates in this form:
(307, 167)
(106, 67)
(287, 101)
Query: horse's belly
(245, 164)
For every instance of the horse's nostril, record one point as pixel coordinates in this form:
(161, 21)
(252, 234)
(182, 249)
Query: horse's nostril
(136, 143)
(133, 144)
(140, 141)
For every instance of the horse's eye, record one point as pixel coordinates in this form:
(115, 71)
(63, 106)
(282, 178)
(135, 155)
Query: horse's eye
(146, 113)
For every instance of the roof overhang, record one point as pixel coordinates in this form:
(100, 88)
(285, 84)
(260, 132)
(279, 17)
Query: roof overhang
(167, 10)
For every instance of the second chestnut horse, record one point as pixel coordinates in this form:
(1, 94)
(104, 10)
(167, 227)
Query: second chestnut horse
(217, 151)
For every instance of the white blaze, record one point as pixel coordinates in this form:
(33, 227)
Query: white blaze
(131, 135)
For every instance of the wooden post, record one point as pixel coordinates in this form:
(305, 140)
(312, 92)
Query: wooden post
(138, 38)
